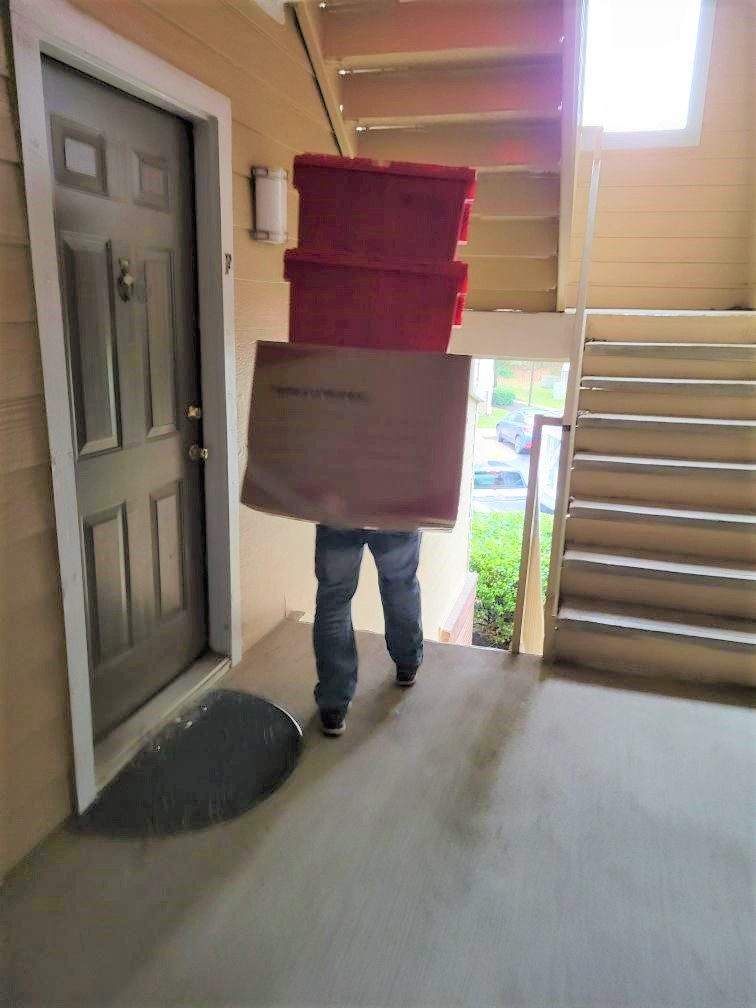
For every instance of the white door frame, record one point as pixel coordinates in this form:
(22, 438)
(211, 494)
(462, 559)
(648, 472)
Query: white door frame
(54, 28)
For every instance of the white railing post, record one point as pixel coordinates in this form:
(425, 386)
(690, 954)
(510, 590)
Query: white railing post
(561, 506)
(528, 625)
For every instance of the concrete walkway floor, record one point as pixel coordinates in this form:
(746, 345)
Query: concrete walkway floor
(486, 839)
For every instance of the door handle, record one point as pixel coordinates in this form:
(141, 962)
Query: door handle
(198, 454)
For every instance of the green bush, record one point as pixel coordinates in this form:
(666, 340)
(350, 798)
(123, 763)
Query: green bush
(503, 369)
(502, 397)
(495, 547)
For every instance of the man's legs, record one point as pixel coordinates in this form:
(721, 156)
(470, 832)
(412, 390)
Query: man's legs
(338, 554)
(396, 557)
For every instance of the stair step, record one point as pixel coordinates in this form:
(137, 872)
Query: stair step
(674, 646)
(692, 351)
(690, 397)
(670, 360)
(672, 437)
(728, 486)
(670, 584)
(672, 326)
(716, 535)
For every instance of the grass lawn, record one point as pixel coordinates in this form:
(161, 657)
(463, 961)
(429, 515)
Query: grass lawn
(541, 396)
(495, 546)
(493, 418)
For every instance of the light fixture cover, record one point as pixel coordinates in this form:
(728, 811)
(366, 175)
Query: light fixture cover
(269, 187)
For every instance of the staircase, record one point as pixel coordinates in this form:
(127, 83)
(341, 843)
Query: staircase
(465, 82)
(659, 569)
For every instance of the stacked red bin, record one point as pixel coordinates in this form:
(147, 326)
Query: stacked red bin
(375, 264)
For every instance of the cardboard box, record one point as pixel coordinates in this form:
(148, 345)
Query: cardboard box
(357, 438)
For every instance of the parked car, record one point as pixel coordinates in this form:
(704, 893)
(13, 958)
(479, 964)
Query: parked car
(498, 476)
(517, 427)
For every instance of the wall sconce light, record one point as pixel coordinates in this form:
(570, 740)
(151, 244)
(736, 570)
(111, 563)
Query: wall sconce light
(269, 204)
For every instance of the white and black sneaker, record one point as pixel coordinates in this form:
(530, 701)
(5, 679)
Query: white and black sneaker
(332, 722)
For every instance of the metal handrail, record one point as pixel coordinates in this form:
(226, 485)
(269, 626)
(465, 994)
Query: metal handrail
(528, 624)
(534, 622)
(562, 501)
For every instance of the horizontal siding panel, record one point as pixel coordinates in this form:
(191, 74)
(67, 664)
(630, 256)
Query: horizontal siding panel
(637, 224)
(26, 504)
(4, 64)
(499, 145)
(8, 145)
(494, 273)
(729, 114)
(16, 290)
(23, 434)
(511, 238)
(31, 816)
(254, 260)
(260, 305)
(222, 30)
(252, 148)
(667, 199)
(20, 362)
(508, 300)
(283, 37)
(44, 753)
(682, 250)
(716, 142)
(44, 694)
(30, 571)
(265, 112)
(13, 228)
(638, 168)
(722, 88)
(665, 274)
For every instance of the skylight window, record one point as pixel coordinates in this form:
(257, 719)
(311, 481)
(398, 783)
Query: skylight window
(641, 65)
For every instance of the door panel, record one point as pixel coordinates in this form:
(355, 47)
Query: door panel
(107, 582)
(161, 342)
(86, 272)
(124, 209)
(167, 551)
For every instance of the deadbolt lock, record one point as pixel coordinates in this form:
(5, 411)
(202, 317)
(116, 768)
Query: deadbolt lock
(198, 454)
(194, 412)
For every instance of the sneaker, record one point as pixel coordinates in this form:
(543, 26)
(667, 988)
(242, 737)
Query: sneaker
(332, 722)
(406, 675)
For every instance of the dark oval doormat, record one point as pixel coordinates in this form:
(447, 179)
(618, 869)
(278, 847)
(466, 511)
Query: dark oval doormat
(211, 763)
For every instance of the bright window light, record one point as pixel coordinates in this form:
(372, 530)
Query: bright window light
(639, 64)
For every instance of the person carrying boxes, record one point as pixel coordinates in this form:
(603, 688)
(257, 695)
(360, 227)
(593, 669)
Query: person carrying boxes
(374, 274)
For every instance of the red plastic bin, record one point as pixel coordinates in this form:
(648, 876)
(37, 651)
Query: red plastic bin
(384, 304)
(393, 210)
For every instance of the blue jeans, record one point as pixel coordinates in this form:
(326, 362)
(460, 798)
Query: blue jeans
(338, 554)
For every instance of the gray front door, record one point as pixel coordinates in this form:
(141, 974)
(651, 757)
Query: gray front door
(125, 230)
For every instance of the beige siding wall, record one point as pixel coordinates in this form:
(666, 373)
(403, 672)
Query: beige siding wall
(675, 226)
(34, 732)
(235, 48)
